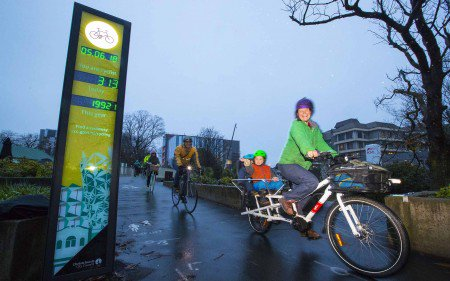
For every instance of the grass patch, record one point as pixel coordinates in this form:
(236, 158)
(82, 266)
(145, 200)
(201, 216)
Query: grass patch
(12, 191)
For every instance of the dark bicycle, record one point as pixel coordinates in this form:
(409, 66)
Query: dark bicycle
(187, 187)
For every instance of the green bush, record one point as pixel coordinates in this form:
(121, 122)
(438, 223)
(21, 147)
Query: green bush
(204, 179)
(24, 168)
(225, 181)
(443, 192)
(12, 191)
(413, 177)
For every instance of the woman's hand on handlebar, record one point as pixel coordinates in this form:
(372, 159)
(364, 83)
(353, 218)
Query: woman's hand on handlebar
(312, 154)
(321, 155)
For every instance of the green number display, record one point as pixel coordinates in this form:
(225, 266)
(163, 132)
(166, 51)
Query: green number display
(115, 83)
(98, 54)
(105, 105)
(101, 80)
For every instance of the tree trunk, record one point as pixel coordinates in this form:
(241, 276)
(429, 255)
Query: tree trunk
(439, 153)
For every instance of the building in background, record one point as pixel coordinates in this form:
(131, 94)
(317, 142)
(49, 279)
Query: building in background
(21, 152)
(350, 137)
(171, 141)
(47, 140)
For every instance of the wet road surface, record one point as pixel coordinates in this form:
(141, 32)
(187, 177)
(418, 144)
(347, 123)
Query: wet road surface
(157, 241)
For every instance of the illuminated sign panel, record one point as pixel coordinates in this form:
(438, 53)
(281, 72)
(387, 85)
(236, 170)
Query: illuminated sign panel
(84, 195)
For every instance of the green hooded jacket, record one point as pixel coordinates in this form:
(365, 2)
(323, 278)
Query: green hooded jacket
(303, 138)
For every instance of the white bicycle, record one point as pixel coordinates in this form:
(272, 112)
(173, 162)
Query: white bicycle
(151, 177)
(364, 233)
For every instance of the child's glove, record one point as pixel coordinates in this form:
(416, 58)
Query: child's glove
(247, 162)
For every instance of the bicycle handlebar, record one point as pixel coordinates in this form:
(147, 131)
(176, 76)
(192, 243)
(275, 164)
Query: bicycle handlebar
(322, 156)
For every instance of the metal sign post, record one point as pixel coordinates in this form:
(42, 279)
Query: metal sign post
(83, 206)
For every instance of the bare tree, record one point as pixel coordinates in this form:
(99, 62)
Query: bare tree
(213, 149)
(28, 140)
(8, 134)
(213, 141)
(140, 130)
(417, 29)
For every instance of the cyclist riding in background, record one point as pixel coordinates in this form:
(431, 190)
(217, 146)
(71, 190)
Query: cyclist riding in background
(149, 160)
(137, 167)
(305, 141)
(184, 154)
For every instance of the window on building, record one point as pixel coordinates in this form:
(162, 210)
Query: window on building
(341, 146)
(82, 242)
(71, 242)
(360, 135)
(350, 145)
(341, 137)
(349, 135)
(59, 244)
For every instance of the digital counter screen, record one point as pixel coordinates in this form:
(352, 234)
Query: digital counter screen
(98, 54)
(96, 79)
(93, 103)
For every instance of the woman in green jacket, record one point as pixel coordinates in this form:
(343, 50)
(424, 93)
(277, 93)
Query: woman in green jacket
(305, 141)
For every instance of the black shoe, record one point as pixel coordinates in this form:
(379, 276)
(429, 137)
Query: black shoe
(310, 234)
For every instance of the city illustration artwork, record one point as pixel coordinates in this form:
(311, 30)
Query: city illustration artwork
(83, 211)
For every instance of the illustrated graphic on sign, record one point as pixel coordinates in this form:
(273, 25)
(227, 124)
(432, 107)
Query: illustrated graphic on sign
(101, 34)
(83, 209)
(86, 176)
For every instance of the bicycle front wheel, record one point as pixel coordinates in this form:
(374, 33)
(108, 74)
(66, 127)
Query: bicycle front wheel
(383, 245)
(152, 182)
(176, 194)
(191, 197)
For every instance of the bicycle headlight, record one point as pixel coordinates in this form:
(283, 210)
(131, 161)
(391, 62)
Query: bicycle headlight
(395, 181)
(189, 167)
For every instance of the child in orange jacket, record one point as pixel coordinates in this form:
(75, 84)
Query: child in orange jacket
(258, 170)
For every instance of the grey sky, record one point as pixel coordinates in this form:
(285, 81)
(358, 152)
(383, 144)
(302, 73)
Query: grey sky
(202, 63)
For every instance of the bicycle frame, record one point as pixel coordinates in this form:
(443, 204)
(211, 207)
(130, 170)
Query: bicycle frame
(273, 210)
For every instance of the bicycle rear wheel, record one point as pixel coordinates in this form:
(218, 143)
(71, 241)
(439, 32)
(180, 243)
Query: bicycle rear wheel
(191, 197)
(175, 194)
(383, 246)
(259, 224)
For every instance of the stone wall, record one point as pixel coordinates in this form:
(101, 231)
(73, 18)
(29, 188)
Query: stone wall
(427, 221)
(225, 195)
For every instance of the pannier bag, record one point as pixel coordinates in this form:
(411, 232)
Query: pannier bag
(359, 176)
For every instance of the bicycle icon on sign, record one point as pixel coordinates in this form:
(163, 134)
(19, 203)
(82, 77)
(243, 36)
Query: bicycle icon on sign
(99, 34)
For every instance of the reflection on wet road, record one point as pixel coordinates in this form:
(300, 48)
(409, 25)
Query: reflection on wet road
(157, 241)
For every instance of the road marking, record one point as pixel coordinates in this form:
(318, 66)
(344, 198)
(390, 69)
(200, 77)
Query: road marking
(190, 265)
(160, 242)
(181, 275)
(130, 187)
(134, 227)
(147, 233)
(340, 271)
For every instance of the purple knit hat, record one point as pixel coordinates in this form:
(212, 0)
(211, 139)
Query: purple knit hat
(304, 103)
